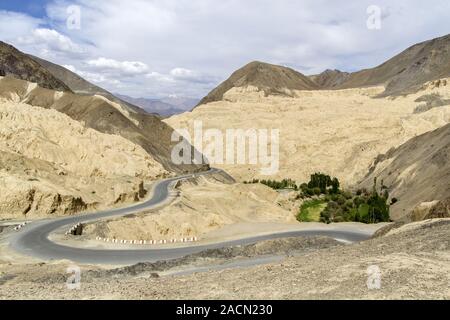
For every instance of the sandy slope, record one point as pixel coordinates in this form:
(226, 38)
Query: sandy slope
(52, 164)
(339, 132)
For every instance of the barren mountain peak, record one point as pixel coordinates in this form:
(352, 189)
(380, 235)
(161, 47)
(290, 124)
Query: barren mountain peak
(272, 79)
(330, 78)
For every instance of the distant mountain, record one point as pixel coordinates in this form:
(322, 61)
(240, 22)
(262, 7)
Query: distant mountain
(407, 71)
(330, 79)
(164, 107)
(79, 85)
(19, 65)
(418, 171)
(183, 103)
(272, 79)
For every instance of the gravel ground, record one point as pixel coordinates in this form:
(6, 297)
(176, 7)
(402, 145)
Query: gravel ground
(414, 263)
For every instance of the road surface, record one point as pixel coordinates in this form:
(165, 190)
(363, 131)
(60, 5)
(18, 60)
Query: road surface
(33, 240)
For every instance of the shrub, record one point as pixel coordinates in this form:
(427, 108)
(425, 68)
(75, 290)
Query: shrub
(347, 195)
(357, 201)
(341, 200)
(349, 204)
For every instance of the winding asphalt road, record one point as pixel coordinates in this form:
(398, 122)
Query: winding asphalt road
(33, 240)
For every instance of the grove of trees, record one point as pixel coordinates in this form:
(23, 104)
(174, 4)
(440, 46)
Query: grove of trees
(364, 206)
(341, 205)
(283, 184)
(318, 184)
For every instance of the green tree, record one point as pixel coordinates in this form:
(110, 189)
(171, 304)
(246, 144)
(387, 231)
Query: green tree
(335, 185)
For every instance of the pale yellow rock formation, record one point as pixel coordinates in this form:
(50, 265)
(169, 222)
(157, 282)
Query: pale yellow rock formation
(52, 164)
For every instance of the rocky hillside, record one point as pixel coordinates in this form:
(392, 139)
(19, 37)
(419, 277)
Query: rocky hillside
(271, 79)
(330, 79)
(417, 174)
(407, 71)
(17, 64)
(76, 83)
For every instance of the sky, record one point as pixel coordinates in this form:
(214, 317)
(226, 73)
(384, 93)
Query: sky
(154, 49)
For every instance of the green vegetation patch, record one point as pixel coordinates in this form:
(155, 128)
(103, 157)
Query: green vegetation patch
(310, 210)
(325, 201)
(276, 185)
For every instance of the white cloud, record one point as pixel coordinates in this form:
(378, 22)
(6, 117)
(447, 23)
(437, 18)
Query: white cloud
(156, 76)
(189, 46)
(52, 40)
(70, 67)
(14, 25)
(95, 78)
(182, 73)
(126, 67)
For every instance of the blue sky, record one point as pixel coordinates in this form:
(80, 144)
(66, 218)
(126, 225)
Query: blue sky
(186, 47)
(35, 8)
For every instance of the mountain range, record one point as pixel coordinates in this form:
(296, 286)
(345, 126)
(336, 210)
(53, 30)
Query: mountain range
(164, 107)
(404, 73)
